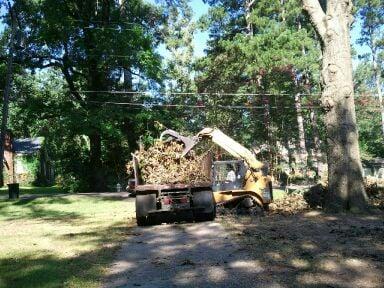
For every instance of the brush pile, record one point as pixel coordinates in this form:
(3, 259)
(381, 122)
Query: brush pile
(162, 164)
(291, 204)
(375, 191)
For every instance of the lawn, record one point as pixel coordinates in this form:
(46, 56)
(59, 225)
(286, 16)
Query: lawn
(26, 190)
(278, 193)
(60, 241)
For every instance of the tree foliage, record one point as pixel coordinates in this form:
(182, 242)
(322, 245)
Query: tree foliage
(259, 76)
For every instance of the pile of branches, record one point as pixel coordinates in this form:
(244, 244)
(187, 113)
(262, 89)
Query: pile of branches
(316, 196)
(291, 204)
(162, 164)
(375, 191)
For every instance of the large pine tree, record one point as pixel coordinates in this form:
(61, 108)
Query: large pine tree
(333, 22)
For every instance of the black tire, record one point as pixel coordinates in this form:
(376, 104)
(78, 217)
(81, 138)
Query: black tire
(206, 201)
(144, 204)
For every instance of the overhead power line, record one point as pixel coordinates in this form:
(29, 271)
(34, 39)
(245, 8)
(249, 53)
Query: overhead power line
(105, 22)
(109, 28)
(165, 94)
(188, 93)
(241, 107)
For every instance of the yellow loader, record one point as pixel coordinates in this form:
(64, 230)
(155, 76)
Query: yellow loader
(244, 180)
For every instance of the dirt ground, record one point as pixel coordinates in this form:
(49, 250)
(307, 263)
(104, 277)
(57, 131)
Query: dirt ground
(313, 249)
(183, 255)
(310, 249)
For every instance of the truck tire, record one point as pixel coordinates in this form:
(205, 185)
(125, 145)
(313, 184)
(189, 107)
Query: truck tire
(205, 200)
(144, 204)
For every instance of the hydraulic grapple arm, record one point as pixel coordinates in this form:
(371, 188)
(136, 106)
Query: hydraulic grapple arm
(231, 146)
(189, 142)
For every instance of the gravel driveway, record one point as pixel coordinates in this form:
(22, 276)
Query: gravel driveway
(183, 255)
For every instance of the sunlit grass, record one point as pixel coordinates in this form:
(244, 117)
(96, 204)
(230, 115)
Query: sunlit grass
(60, 241)
(278, 194)
(26, 190)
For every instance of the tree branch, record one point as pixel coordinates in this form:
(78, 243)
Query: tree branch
(316, 15)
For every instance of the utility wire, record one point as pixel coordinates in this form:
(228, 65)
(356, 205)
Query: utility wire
(109, 28)
(104, 22)
(241, 107)
(166, 94)
(192, 93)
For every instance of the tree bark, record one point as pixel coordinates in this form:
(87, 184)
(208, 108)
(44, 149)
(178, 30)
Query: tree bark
(7, 91)
(303, 155)
(316, 140)
(346, 189)
(377, 77)
(97, 181)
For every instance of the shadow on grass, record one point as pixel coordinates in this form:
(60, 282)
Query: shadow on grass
(51, 200)
(39, 207)
(36, 208)
(47, 270)
(35, 190)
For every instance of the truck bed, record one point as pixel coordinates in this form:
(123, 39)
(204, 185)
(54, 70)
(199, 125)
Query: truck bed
(176, 186)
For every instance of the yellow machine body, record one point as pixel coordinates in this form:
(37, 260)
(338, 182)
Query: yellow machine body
(256, 183)
(256, 186)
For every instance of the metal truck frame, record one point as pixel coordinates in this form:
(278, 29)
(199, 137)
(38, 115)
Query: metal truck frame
(156, 203)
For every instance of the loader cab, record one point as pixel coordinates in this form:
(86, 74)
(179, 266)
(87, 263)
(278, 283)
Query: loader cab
(228, 175)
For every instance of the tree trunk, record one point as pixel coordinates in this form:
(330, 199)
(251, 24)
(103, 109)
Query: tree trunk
(97, 181)
(346, 189)
(303, 155)
(248, 12)
(377, 76)
(7, 91)
(316, 140)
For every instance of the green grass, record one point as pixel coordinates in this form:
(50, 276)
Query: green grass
(278, 194)
(60, 241)
(26, 190)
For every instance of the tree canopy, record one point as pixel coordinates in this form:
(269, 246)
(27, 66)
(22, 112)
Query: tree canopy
(92, 78)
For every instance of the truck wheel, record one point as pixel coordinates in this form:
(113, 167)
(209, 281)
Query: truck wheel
(205, 200)
(144, 204)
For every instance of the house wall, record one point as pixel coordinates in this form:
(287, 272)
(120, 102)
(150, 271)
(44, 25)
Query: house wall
(26, 168)
(8, 168)
(373, 170)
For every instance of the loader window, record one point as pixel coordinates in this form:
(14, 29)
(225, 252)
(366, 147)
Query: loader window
(228, 175)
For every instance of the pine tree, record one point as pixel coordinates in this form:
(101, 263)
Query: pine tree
(371, 15)
(332, 23)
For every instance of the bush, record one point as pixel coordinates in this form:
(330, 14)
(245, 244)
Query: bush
(316, 195)
(71, 184)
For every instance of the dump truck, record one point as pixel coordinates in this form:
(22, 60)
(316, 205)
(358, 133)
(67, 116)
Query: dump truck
(242, 181)
(156, 203)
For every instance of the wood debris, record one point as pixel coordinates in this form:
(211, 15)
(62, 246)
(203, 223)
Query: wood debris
(291, 204)
(375, 191)
(162, 164)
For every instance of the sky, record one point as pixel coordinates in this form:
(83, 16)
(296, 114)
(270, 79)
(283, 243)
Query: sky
(2, 12)
(200, 39)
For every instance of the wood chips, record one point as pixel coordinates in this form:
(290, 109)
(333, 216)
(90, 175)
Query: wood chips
(162, 164)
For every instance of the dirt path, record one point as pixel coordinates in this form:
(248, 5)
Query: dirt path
(184, 255)
(314, 249)
(309, 250)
